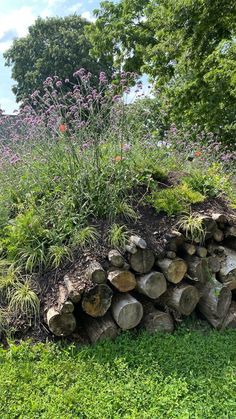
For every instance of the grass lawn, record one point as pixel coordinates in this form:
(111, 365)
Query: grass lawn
(189, 374)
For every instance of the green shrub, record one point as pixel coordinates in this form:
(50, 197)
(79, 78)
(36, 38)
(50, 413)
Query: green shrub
(175, 200)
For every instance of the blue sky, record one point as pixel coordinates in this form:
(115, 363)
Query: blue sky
(15, 18)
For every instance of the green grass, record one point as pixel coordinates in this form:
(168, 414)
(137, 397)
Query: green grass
(189, 374)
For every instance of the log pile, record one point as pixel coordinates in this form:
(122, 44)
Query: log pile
(153, 289)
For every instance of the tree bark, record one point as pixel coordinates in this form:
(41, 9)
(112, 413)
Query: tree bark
(155, 320)
(174, 270)
(64, 306)
(60, 324)
(152, 284)
(127, 311)
(142, 261)
(122, 280)
(138, 241)
(182, 298)
(96, 273)
(97, 300)
(214, 302)
(100, 328)
(197, 269)
(230, 319)
(73, 290)
(227, 273)
(116, 259)
(214, 264)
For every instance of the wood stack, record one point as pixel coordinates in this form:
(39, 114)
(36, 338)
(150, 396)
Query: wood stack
(151, 288)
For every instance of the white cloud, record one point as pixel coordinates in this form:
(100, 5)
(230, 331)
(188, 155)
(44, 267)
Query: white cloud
(17, 20)
(8, 105)
(88, 15)
(75, 7)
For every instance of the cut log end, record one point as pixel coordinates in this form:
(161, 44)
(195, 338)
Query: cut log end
(152, 285)
(142, 261)
(100, 328)
(60, 324)
(156, 321)
(97, 300)
(174, 270)
(122, 280)
(127, 311)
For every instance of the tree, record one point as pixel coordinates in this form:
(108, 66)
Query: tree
(54, 46)
(187, 47)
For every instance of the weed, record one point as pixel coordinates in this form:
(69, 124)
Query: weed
(84, 237)
(58, 254)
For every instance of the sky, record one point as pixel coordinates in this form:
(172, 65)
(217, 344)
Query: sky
(15, 18)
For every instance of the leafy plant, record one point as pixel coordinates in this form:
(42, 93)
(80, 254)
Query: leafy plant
(208, 181)
(175, 200)
(84, 237)
(118, 236)
(24, 300)
(193, 227)
(57, 254)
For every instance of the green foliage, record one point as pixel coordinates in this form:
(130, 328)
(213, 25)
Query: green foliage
(118, 236)
(193, 227)
(24, 301)
(133, 377)
(84, 237)
(175, 200)
(54, 46)
(58, 254)
(188, 49)
(208, 181)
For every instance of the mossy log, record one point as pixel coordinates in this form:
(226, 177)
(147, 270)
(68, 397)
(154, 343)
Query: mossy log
(100, 328)
(218, 235)
(227, 273)
(97, 300)
(152, 284)
(142, 261)
(215, 302)
(174, 270)
(189, 248)
(214, 264)
(154, 320)
(60, 324)
(96, 273)
(201, 251)
(182, 298)
(122, 280)
(127, 311)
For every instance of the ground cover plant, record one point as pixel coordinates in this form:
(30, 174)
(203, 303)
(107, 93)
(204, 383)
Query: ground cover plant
(73, 159)
(190, 374)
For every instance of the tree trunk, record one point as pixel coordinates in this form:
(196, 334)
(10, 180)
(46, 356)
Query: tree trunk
(100, 328)
(214, 302)
(97, 300)
(142, 261)
(156, 321)
(198, 269)
(227, 273)
(230, 319)
(96, 273)
(174, 270)
(152, 284)
(60, 324)
(73, 289)
(64, 306)
(116, 259)
(127, 311)
(122, 280)
(182, 298)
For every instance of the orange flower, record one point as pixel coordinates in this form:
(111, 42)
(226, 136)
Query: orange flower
(63, 128)
(117, 158)
(197, 153)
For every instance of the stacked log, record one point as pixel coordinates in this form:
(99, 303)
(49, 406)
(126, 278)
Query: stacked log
(153, 288)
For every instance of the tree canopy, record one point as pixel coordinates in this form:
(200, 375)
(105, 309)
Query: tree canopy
(187, 47)
(54, 46)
